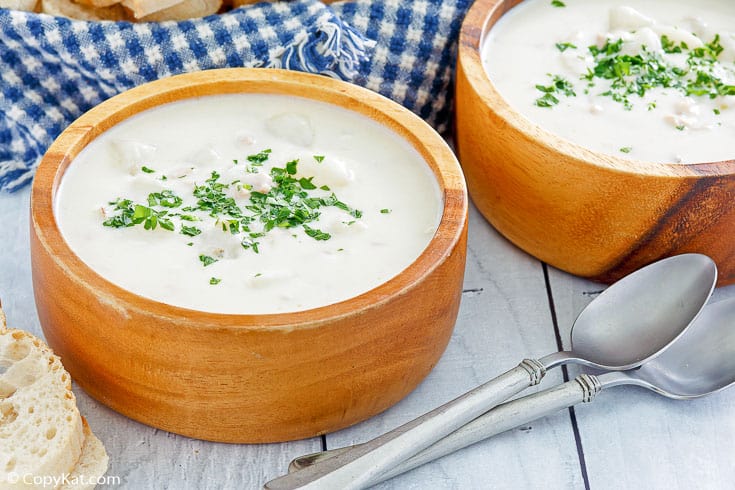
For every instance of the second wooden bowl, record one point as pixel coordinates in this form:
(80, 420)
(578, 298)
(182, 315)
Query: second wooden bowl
(590, 214)
(249, 378)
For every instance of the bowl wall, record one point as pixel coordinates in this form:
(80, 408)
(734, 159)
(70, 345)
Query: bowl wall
(590, 214)
(248, 378)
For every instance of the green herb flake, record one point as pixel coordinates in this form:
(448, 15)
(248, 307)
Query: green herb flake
(564, 46)
(259, 157)
(626, 149)
(147, 170)
(306, 184)
(559, 86)
(190, 230)
(716, 111)
(206, 260)
(316, 234)
(289, 203)
(214, 281)
(558, 3)
(319, 158)
(385, 211)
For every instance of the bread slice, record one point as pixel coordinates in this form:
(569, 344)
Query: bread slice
(141, 8)
(29, 5)
(66, 8)
(97, 3)
(41, 431)
(92, 463)
(188, 9)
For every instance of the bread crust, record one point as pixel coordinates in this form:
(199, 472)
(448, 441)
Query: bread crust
(66, 8)
(92, 463)
(41, 431)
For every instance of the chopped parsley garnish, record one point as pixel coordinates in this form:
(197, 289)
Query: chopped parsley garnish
(290, 201)
(319, 158)
(559, 86)
(259, 157)
(385, 211)
(631, 76)
(190, 230)
(558, 3)
(167, 199)
(131, 214)
(206, 260)
(147, 170)
(316, 234)
(564, 46)
(214, 281)
(626, 149)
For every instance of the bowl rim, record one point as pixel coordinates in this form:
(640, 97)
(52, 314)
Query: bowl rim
(430, 145)
(478, 22)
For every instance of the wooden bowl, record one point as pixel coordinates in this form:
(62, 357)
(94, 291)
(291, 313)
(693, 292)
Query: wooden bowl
(249, 378)
(590, 214)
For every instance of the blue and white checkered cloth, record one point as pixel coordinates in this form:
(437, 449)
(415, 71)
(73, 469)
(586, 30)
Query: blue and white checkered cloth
(54, 69)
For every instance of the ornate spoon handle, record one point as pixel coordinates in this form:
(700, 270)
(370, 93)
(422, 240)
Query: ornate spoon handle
(502, 418)
(356, 467)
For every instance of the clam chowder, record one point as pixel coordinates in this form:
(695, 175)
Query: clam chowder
(649, 80)
(248, 204)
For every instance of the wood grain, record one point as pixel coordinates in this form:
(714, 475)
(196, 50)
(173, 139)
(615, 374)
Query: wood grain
(625, 426)
(249, 378)
(593, 215)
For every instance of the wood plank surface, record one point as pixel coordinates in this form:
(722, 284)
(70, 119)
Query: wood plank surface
(143, 457)
(632, 438)
(629, 438)
(504, 317)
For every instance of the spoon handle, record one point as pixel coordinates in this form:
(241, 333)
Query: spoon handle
(355, 467)
(502, 418)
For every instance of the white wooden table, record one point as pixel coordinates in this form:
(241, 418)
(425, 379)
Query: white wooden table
(513, 307)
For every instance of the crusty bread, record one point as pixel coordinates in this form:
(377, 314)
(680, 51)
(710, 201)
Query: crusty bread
(92, 463)
(141, 8)
(29, 5)
(97, 3)
(188, 9)
(40, 427)
(65, 8)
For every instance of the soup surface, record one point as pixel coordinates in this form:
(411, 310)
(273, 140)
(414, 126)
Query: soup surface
(248, 204)
(649, 80)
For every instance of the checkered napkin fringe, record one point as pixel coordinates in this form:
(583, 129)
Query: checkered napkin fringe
(54, 69)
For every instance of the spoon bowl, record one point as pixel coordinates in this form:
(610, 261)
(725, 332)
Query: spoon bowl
(633, 320)
(637, 318)
(698, 363)
(701, 362)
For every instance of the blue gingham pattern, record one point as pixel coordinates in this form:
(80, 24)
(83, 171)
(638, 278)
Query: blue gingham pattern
(415, 54)
(54, 69)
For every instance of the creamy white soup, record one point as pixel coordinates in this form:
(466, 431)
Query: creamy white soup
(248, 204)
(643, 79)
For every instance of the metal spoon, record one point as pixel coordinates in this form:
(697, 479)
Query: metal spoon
(700, 362)
(629, 323)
